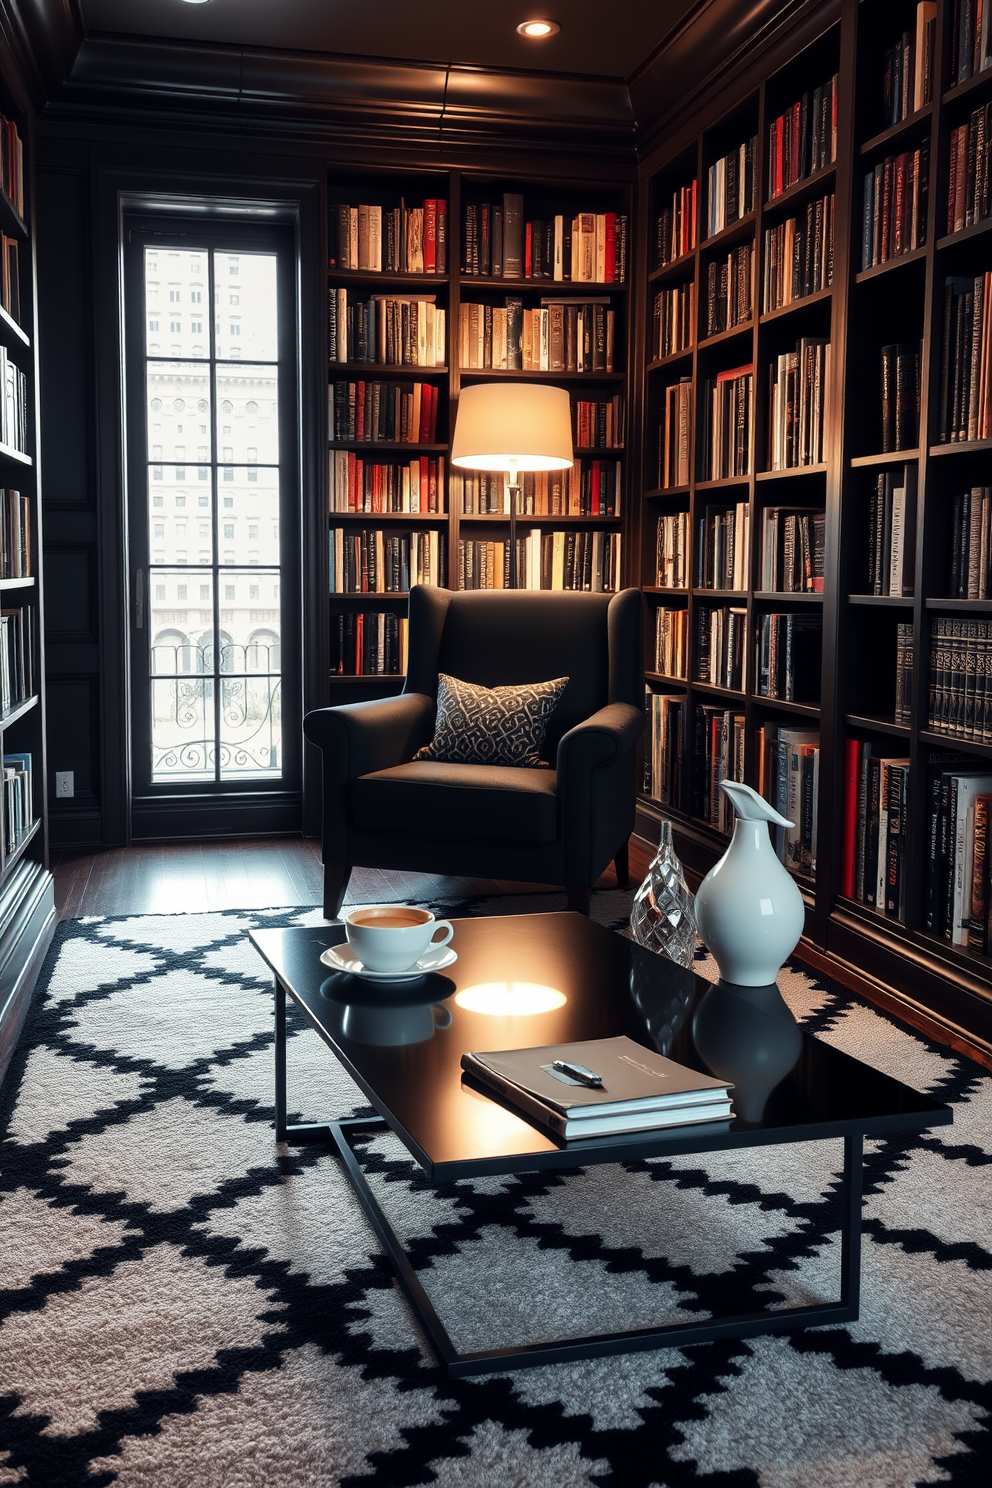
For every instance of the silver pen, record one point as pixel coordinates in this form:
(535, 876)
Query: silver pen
(578, 1072)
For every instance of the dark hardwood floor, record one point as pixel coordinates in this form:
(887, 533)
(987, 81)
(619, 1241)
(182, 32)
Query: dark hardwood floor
(252, 873)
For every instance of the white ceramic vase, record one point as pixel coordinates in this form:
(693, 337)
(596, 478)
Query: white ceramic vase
(749, 911)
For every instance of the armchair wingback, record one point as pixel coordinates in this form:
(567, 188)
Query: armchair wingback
(559, 825)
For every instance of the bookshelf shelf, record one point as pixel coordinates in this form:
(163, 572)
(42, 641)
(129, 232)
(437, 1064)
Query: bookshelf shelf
(668, 491)
(579, 288)
(387, 447)
(8, 323)
(685, 355)
(786, 596)
(677, 268)
(367, 519)
(503, 374)
(881, 601)
(15, 714)
(370, 597)
(734, 595)
(9, 453)
(11, 221)
(871, 725)
(391, 370)
(953, 742)
(915, 255)
(891, 457)
(726, 483)
(668, 593)
(13, 858)
(712, 690)
(728, 236)
(981, 82)
(790, 472)
(976, 606)
(668, 681)
(912, 126)
(526, 519)
(746, 328)
(368, 279)
(16, 584)
(809, 186)
(962, 447)
(804, 302)
(780, 705)
(965, 234)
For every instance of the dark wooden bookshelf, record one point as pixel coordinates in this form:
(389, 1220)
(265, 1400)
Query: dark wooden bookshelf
(900, 300)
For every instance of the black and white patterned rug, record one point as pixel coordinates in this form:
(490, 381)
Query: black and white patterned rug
(183, 1303)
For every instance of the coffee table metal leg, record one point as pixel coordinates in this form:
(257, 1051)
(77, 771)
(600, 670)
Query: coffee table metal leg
(280, 1061)
(597, 1345)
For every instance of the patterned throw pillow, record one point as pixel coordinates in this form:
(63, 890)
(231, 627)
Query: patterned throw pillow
(491, 725)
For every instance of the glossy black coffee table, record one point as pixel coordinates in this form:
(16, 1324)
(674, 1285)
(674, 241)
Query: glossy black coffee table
(789, 1087)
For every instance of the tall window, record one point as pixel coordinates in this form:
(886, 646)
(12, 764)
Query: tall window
(215, 677)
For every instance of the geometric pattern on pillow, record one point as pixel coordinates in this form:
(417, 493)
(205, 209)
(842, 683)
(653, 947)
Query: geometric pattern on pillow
(491, 725)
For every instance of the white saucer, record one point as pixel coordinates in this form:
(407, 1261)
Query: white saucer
(343, 958)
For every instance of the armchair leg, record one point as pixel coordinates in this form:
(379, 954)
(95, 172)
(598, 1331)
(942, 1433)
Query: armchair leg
(336, 876)
(622, 864)
(578, 899)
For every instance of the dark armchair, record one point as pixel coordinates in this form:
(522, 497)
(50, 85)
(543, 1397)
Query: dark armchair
(562, 825)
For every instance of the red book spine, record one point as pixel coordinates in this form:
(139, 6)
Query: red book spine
(430, 236)
(528, 249)
(596, 500)
(441, 254)
(850, 817)
(611, 247)
(359, 642)
(360, 411)
(353, 479)
(778, 187)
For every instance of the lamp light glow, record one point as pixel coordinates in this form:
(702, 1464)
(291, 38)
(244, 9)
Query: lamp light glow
(513, 426)
(510, 999)
(538, 30)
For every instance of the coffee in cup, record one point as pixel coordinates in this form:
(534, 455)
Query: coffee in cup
(393, 937)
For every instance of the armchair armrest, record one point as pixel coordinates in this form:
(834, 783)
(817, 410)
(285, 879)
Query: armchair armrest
(358, 738)
(600, 740)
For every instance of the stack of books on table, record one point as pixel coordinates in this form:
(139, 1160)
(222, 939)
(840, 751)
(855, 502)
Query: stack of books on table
(637, 1090)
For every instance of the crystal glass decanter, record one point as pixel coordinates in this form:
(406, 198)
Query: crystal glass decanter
(664, 914)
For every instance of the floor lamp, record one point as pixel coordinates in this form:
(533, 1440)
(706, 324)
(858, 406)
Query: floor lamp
(513, 427)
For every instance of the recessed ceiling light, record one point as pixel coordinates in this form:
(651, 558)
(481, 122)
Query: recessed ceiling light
(195, 2)
(537, 30)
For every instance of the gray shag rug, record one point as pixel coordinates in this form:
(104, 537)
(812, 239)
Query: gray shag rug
(184, 1303)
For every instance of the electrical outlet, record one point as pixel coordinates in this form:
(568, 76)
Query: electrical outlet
(64, 783)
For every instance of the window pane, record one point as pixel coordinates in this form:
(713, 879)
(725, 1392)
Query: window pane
(183, 729)
(181, 629)
(248, 503)
(251, 727)
(178, 406)
(179, 527)
(175, 283)
(245, 306)
(247, 414)
(250, 621)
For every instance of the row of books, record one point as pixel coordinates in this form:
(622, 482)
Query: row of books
(587, 248)
(718, 754)
(971, 544)
(591, 488)
(573, 560)
(908, 68)
(395, 240)
(894, 214)
(788, 767)
(720, 646)
(892, 533)
(798, 388)
(675, 229)
(966, 359)
(665, 722)
(18, 799)
(900, 396)
(728, 290)
(673, 321)
(956, 889)
(599, 423)
(959, 697)
(15, 535)
(873, 842)
(730, 187)
(905, 654)
(675, 436)
(18, 640)
(672, 551)
(389, 412)
(971, 44)
(671, 642)
(12, 163)
(803, 139)
(557, 336)
(722, 547)
(727, 416)
(799, 255)
(357, 485)
(370, 643)
(14, 404)
(10, 277)
(788, 663)
(969, 199)
(376, 562)
(393, 330)
(792, 550)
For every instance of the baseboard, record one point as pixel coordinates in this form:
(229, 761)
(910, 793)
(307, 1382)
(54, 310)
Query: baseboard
(23, 943)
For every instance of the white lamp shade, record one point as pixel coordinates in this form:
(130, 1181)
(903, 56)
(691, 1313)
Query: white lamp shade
(512, 426)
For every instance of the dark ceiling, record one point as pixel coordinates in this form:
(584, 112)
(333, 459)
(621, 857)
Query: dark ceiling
(606, 37)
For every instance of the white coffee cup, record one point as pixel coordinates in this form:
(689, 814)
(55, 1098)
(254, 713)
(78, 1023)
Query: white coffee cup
(393, 937)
